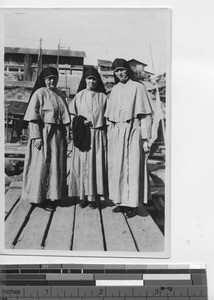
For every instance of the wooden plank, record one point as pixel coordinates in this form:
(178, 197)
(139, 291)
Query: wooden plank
(7, 180)
(116, 230)
(158, 178)
(147, 235)
(15, 148)
(16, 184)
(61, 230)
(158, 217)
(87, 231)
(157, 190)
(33, 233)
(11, 197)
(7, 159)
(158, 203)
(15, 221)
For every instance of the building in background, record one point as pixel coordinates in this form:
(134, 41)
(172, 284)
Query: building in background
(21, 66)
(105, 69)
(139, 70)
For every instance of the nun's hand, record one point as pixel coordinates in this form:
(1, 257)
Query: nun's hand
(38, 143)
(146, 147)
(87, 123)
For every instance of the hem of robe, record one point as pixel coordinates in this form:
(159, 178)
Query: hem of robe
(123, 204)
(38, 201)
(86, 195)
(79, 182)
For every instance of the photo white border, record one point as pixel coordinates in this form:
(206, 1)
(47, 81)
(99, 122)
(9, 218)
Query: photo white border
(193, 24)
(111, 254)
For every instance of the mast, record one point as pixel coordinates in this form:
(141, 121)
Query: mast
(158, 114)
(39, 66)
(58, 54)
(27, 67)
(66, 83)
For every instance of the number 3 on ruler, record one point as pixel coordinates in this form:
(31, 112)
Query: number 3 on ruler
(156, 291)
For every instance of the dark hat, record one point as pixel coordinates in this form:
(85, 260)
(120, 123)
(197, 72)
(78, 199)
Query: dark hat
(40, 81)
(92, 72)
(49, 71)
(120, 63)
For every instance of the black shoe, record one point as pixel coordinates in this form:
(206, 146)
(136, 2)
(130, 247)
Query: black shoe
(126, 209)
(131, 212)
(50, 205)
(83, 203)
(118, 209)
(93, 205)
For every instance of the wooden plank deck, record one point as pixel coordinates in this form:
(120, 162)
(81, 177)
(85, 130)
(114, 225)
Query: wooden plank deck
(62, 221)
(71, 228)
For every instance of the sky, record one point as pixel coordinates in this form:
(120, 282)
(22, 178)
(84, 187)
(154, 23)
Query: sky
(103, 33)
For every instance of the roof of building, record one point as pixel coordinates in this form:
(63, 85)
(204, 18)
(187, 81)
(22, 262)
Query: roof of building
(88, 67)
(9, 84)
(139, 62)
(72, 83)
(149, 73)
(103, 62)
(16, 107)
(148, 85)
(61, 52)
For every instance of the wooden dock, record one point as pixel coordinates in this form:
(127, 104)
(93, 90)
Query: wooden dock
(69, 227)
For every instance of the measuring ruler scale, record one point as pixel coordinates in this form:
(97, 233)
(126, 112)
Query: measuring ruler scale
(107, 282)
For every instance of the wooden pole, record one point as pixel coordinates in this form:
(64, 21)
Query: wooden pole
(27, 67)
(58, 54)
(66, 83)
(145, 196)
(157, 92)
(39, 67)
(7, 123)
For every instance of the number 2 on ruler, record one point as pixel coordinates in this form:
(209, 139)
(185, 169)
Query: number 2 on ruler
(100, 292)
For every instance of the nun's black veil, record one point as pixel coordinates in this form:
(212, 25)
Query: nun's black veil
(92, 72)
(40, 81)
(122, 63)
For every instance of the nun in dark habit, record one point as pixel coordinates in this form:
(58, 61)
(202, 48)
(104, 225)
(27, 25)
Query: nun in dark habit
(88, 164)
(44, 176)
(129, 114)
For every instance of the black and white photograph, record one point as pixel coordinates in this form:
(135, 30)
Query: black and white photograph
(87, 131)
